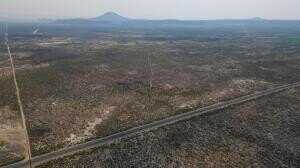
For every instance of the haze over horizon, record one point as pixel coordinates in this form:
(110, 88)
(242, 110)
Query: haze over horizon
(155, 9)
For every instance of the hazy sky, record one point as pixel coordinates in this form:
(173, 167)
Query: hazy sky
(152, 9)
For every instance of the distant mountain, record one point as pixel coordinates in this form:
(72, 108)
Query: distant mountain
(111, 17)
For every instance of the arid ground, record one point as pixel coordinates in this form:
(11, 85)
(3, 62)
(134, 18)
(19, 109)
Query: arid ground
(80, 83)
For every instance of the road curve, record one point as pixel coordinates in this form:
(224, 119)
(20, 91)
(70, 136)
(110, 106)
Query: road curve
(38, 160)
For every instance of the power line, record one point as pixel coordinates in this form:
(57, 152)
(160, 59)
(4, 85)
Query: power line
(27, 144)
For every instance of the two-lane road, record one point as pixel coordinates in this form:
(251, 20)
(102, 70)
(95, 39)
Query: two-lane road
(151, 126)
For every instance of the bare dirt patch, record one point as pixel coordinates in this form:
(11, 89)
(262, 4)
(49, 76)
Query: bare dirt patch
(11, 145)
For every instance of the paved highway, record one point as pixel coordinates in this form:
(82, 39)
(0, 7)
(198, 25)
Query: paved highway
(147, 127)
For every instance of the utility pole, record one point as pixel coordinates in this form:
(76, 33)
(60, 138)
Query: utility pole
(27, 141)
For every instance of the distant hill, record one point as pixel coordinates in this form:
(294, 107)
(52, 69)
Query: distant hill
(111, 17)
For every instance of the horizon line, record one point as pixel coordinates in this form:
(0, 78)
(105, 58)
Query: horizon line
(32, 19)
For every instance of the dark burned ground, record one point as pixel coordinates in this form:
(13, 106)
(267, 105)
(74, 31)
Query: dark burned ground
(261, 133)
